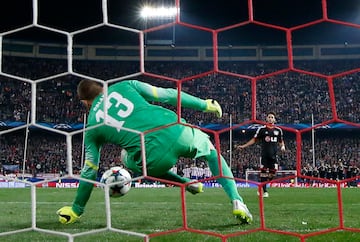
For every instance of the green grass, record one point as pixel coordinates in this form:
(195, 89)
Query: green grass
(150, 211)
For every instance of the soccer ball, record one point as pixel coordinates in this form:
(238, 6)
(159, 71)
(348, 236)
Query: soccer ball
(121, 179)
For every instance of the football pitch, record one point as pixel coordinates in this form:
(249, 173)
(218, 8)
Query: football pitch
(158, 212)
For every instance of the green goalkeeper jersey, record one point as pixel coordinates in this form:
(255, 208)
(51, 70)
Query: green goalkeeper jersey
(129, 113)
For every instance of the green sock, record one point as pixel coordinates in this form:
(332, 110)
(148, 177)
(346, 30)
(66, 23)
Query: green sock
(228, 184)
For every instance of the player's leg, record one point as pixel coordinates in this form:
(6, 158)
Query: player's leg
(162, 158)
(267, 173)
(264, 176)
(194, 187)
(267, 164)
(227, 183)
(204, 148)
(171, 176)
(194, 143)
(240, 210)
(272, 173)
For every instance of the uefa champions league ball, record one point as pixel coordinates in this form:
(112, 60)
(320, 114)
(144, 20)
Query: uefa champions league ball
(120, 178)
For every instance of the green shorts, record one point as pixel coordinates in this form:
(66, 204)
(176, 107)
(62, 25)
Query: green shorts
(165, 146)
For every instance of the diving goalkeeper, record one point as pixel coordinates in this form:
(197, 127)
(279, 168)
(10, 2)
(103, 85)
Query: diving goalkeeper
(128, 108)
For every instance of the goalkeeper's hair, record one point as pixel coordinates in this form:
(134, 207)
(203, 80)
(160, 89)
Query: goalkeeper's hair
(88, 90)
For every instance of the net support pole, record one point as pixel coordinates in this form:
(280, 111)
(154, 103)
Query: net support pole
(313, 139)
(33, 206)
(1, 47)
(83, 143)
(26, 144)
(230, 142)
(69, 155)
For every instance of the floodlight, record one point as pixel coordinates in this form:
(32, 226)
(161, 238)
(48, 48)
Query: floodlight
(158, 12)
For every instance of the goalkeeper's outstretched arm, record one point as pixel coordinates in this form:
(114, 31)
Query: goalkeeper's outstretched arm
(170, 96)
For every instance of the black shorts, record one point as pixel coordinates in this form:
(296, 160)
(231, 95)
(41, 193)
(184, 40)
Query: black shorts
(268, 162)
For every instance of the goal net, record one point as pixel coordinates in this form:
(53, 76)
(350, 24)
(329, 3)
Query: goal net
(291, 78)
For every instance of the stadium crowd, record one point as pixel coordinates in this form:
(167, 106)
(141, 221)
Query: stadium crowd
(295, 97)
(46, 153)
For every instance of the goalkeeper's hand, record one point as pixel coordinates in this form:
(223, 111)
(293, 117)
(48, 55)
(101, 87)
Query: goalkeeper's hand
(212, 106)
(67, 215)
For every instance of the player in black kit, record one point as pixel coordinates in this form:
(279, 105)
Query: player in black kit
(270, 137)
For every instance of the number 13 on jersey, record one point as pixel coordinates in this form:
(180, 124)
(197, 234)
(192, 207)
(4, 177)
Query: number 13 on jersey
(117, 108)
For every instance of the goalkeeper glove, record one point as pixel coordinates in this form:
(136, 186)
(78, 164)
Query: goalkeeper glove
(67, 215)
(213, 106)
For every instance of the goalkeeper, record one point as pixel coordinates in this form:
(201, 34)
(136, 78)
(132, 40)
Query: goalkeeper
(128, 108)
